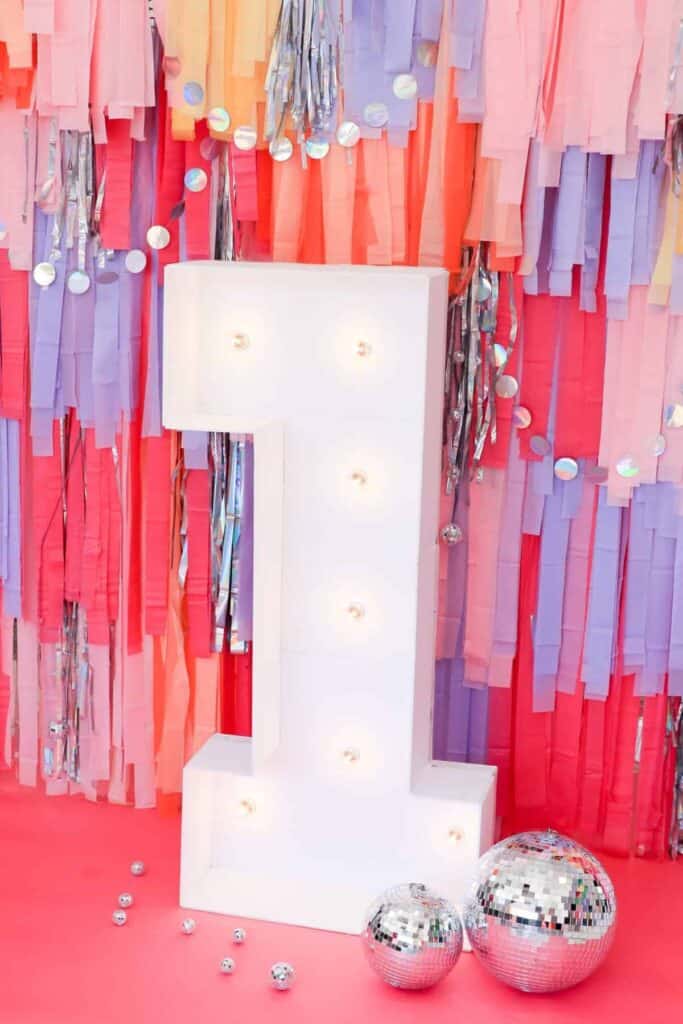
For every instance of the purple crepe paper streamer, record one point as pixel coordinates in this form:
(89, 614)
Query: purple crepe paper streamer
(245, 598)
(646, 241)
(399, 25)
(195, 449)
(637, 577)
(602, 601)
(532, 211)
(569, 226)
(45, 353)
(547, 631)
(105, 359)
(594, 202)
(466, 42)
(365, 80)
(658, 625)
(428, 17)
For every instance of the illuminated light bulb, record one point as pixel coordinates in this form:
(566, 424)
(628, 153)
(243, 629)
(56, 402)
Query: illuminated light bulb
(351, 755)
(359, 478)
(246, 807)
(240, 342)
(363, 348)
(455, 835)
(356, 611)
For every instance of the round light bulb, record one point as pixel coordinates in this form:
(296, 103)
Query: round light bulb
(240, 342)
(356, 611)
(359, 478)
(363, 348)
(246, 807)
(455, 835)
(351, 755)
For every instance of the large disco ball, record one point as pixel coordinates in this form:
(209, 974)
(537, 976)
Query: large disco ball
(542, 914)
(412, 937)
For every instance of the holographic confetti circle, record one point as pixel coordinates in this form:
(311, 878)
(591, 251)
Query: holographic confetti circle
(539, 445)
(193, 94)
(506, 386)
(158, 237)
(135, 261)
(412, 938)
(500, 355)
(317, 149)
(196, 179)
(627, 467)
(218, 119)
(405, 87)
(44, 274)
(566, 468)
(673, 415)
(348, 134)
(376, 115)
(3, 231)
(281, 149)
(521, 417)
(542, 914)
(658, 446)
(78, 282)
(244, 137)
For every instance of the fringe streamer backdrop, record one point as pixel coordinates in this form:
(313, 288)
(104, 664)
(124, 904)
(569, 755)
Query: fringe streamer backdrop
(534, 150)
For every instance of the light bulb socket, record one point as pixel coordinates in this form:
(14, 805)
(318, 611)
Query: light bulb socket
(356, 611)
(359, 478)
(240, 342)
(363, 348)
(455, 835)
(246, 808)
(351, 755)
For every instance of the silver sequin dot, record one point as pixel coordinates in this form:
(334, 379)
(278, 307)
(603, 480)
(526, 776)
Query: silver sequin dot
(218, 119)
(542, 912)
(282, 976)
(673, 415)
(427, 53)
(135, 261)
(412, 938)
(193, 93)
(348, 134)
(316, 149)
(451, 534)
(376, 115)
(227, 965)
(281, 149)
(521, 417)
(137, 868)
(404, 87)
(238, 936)
(244, 137)
(566, 468)
(44, 274)
(539, 445)
(196, 179)
(188, 926)
(78, 282)
(158, 237)
(658, 445)
(506, 386)
(125, 900)
(627, 467)
(119, 918)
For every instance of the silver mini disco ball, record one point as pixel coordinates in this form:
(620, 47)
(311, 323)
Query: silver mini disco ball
(412, 938)
(542, 914)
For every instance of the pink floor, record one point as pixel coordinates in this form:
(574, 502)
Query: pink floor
(63, 862)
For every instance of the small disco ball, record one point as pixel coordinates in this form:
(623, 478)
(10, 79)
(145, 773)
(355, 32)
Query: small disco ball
(412, 937)
(542, 914)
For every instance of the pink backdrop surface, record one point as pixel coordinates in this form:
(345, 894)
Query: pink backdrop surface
(63, 863)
